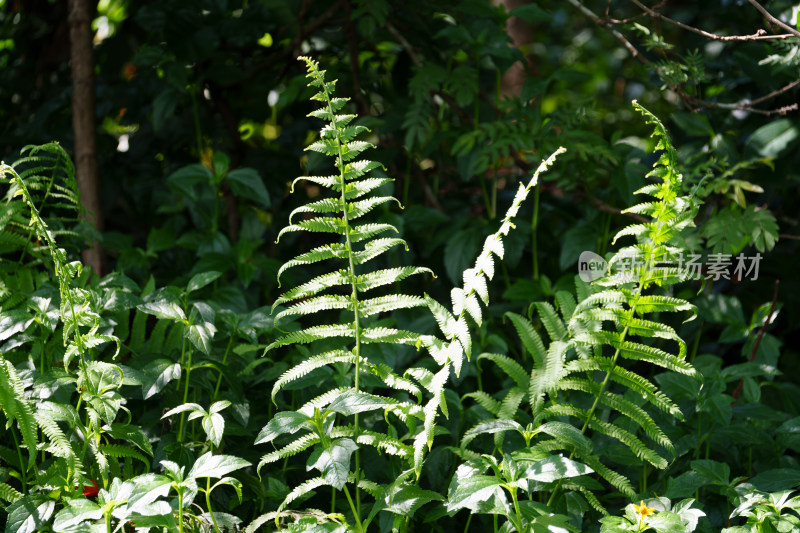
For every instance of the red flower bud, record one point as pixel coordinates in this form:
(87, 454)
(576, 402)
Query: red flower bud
(91, 491)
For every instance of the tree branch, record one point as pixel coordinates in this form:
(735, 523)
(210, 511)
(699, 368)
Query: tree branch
(772, 19)
(760, 35)
(613, 31)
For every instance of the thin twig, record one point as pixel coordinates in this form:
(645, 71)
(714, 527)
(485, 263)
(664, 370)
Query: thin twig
(613, 31)
(352, 40)
(773, 19)
(738, 390)
(760, 35)
(692, 101)
(404, 43)
(746, 105)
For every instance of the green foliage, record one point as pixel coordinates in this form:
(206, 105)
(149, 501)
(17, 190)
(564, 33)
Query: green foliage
(121, 394)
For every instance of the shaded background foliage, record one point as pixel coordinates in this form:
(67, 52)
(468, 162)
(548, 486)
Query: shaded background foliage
(215, 82)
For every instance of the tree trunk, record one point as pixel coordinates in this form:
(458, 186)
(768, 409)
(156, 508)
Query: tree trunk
(521, 34)
(83, 121)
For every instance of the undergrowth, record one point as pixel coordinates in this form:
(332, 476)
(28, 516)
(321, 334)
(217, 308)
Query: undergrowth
(149, 408)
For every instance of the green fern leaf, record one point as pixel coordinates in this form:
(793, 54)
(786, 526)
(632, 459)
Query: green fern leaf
(309, 365)
(512, 369)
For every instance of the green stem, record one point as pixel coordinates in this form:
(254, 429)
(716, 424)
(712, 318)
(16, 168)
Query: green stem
(534, 234)
(185, 396)
(183, 359)
(493, 212)
(208, 504)
(180, 510)
(224, 362)
(486, 200)
(197, 131)
(696, 343)
(340, 163)
(518, 521)
(23, 472)
(354, 510)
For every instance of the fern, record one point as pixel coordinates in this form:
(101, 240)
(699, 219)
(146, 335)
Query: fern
(623, 304)
(579, 374)
(45, 179)
(347, 287)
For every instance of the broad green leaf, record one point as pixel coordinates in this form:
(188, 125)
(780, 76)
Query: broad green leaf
(164, 303)
(772, 139)
(29, 514)
(713, 471)
(474, 493)
(460, 251)
(209, 465)
(184, 180)
(246, 183)
(14, 321)
(202, 279)
(159, 372)
(283, 422)
(214, 426)
(132, 434)
(489, 428)
(552, 469)
(777, 479)
(334, 462)
(351, 402)
(77, 511)
(202, 329)
(183, 408)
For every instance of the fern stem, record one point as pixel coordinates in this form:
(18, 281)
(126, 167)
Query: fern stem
(354, 295)
(22, 470)
(493, 212)
(534, 234)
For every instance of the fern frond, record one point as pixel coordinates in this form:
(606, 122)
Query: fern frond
(379, 441)
(298, 445)
(550, 320)
(512, 369)
(309, 365)
(392, 302)
(8, 493)
(485, 401)
(530, 338)
(118, 450)
(315, 304)
(16, 407)
(298, 492)
(60, 446)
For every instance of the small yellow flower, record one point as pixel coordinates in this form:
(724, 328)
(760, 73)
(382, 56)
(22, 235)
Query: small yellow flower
(642, 509)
